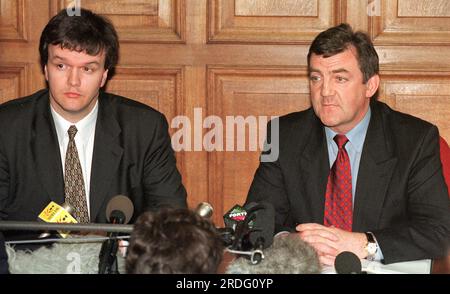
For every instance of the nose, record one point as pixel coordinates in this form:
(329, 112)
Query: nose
(74, 78)
(327, 88)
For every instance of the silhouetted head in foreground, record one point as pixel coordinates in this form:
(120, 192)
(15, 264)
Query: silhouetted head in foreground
(173, 242)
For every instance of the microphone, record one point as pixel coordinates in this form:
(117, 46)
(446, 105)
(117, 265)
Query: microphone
(233, 216)
(237, 221)
(287, 255)
(348, 263)
(204, 209)
(54, 213)
(262, 230)
(119, 211)
(253, 227)
(256, 230)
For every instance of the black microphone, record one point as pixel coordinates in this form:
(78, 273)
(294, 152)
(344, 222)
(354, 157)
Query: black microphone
(257, 229)
(119, 211)
(238, 220)
(261, 220)
(252, 228)
(236, 215)
(263, 227)
(348, 263)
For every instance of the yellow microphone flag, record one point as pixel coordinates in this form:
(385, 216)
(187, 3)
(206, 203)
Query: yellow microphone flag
(54, 213)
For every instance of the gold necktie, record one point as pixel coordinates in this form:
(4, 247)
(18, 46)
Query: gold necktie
(73, 180)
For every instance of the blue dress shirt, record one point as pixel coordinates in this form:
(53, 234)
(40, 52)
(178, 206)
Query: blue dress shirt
(354, 147)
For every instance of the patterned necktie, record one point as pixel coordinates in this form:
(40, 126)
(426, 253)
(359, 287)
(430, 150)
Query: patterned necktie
(338, 198)
(73, 180)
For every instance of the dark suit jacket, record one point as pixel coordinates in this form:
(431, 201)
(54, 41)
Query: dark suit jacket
(132, 156)
(400, 195)
(3, 257)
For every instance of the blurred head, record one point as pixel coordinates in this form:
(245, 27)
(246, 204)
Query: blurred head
(173, 241)
(343, 72)
(77, 53)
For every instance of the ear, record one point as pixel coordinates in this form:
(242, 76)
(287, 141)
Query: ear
(372, 85)
(46, 72)
(104, 78)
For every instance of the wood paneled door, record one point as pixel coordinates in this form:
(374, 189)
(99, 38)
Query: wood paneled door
(203, 61)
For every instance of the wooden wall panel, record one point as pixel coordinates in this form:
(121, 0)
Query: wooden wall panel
(409, 22)
(13, 81)
(12, 20)
(156, 87)
(419, 93)
(270, 21)
(260, 93)
(141, 21)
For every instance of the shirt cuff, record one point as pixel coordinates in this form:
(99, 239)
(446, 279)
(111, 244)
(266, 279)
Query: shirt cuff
(378, 255)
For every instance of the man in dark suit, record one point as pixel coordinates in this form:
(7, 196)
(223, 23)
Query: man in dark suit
(352, 174)
(117, 146)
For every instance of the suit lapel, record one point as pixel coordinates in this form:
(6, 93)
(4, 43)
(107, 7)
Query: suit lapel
(375, 172)
(45, 150)
(315, 167)
(106, 156)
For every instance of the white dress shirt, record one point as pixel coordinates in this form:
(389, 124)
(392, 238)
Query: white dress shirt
(84, 140)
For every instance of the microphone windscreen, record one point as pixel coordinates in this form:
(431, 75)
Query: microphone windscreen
(287, 255)
(121, 203)
(263, 222)
(60, 258)
(347, 263)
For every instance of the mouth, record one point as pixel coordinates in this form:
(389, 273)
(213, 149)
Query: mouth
(72, 94)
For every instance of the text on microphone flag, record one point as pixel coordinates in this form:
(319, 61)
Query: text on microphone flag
(54, 213)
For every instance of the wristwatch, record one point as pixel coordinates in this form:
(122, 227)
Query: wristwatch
(371, 246)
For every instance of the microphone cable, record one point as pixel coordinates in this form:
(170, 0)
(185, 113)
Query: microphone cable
(256, 256)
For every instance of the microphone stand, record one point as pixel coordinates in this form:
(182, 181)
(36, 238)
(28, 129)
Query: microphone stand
(41, 226)
(108, 253)
(108, 256)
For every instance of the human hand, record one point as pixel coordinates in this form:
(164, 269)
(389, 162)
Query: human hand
(330, 241)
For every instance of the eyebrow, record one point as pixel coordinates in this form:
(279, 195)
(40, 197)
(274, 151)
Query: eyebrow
(88, 63)
(339, 70)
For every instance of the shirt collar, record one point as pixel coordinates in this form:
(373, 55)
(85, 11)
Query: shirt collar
(84, 126)
(356, 135)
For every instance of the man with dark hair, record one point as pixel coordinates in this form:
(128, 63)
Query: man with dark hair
(173, 241)
(73, 142)
(353, 174)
